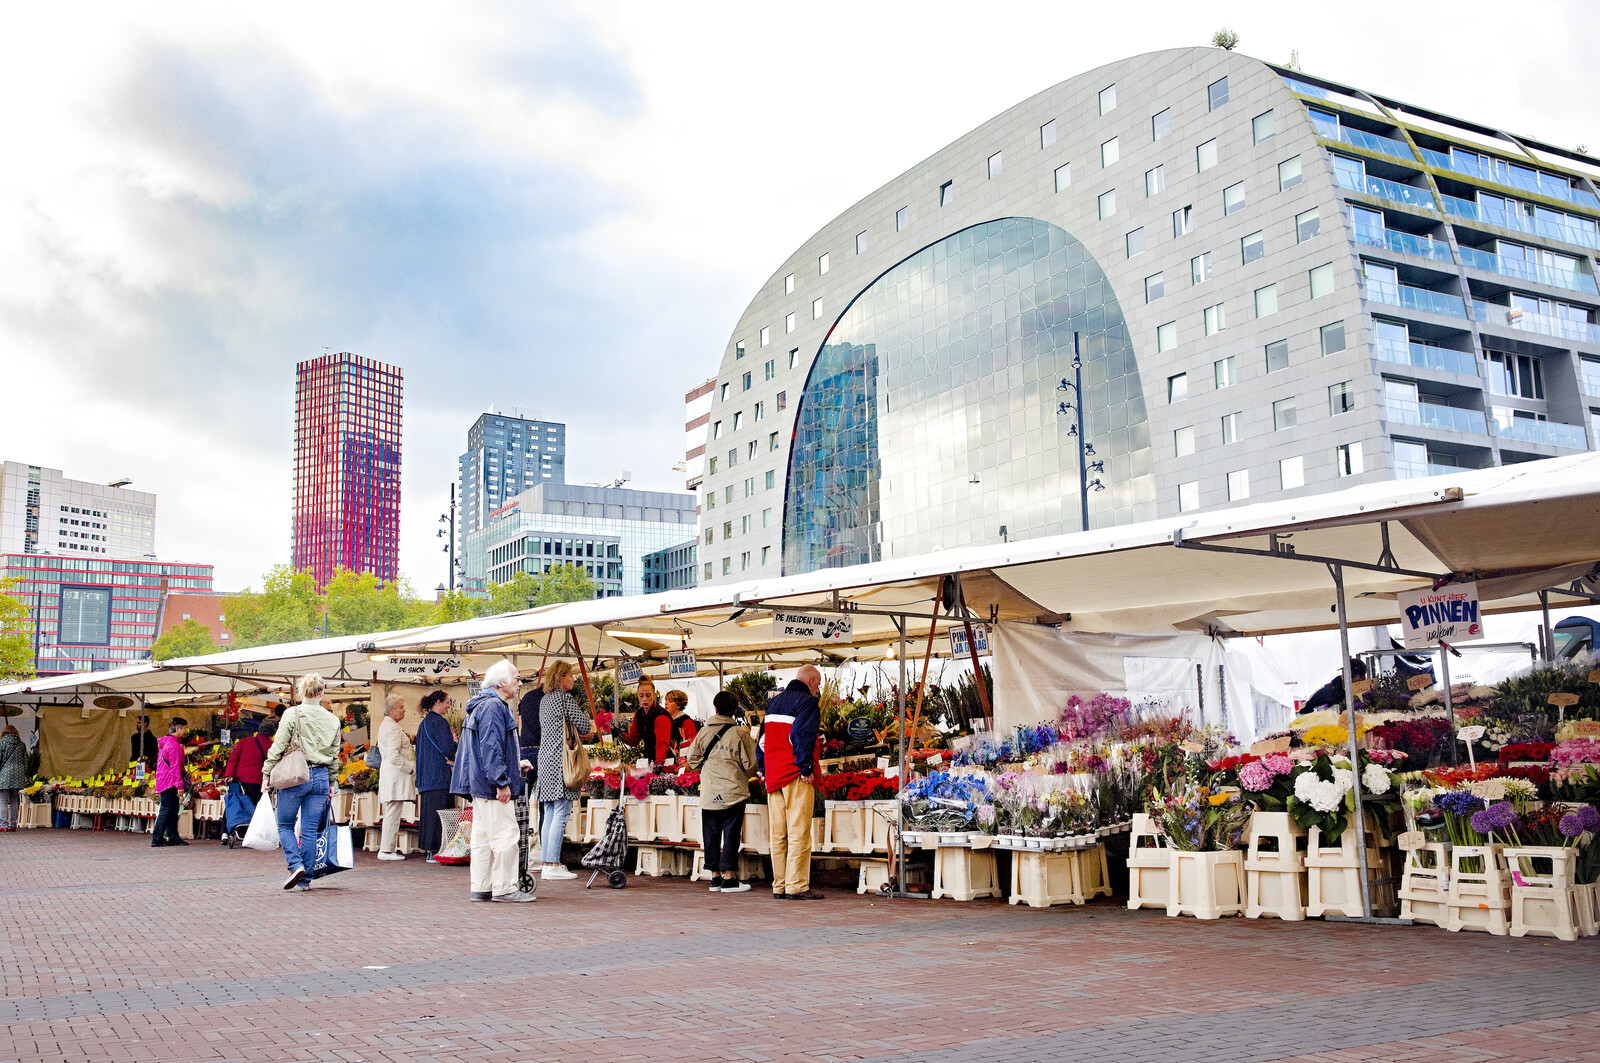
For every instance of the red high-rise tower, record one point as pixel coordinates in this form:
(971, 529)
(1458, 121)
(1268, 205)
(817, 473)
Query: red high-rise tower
(347, 467)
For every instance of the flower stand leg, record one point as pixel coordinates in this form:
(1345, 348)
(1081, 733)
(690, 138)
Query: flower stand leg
(1424, 885)
(1543, 894)
(844, 827)
(754, 836)
(689, 830)
(874, 876)
(1040, 879)
(658, 860)
(1480, 890)
(639, 821)
(1588, 918)
(1091, 872)
(1206, 885)
(964, 874)
(1149, 879)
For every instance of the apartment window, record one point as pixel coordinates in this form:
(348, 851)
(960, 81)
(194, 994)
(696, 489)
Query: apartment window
(1166, 336)
(902, 218)
(749, 489)
(723, 394)
(1215, 319)
(1262, 127)
(1177, 387)
(996, 163)
(861, 241)
(711, 466)
(822, 264)
(727, 530)
(771, 479)
(1063, 176)
(1183, 442)
(766, 517)
(788, 284)
(1238, 485)
(1153, 286)
(1222, 372)
(1515, 374)
(1107, 204)
(1206, 156)
(1292, 473)
(1217, 93)
(947, 193)
(1161, 123)
(1333, 338)
(727, 566)
(752, 448)
(816, 309)
(783, 400)
(760, 411)
(1047, 134)
(710, 536)
(1347, 459)
(1288, 173)
(746, 379)
(733, 459)
(1321, 280)
(738, 350)
(765, 551)
(766, 335)
(1110, 152)
(1200, 268)
(744, 526)
(1155, 180)
(1252, 247)
(1233, 198)
(1306, 225)
(708, 567)
(794, 361)
(1283, 414)
(711, 499)
(769, 370)
(1108, 99)
(1277, 355)
(1183, 221)
(1188, 496)
(788, 322)
(1135, 242)
(1341, 398)
(1267, 300)
(1230, 427)
(772, 441)
(716, 426)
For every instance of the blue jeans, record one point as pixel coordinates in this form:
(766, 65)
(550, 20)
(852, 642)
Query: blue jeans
(552, 827)
(308, 801)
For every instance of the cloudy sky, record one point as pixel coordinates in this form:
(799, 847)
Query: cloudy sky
(560, 206)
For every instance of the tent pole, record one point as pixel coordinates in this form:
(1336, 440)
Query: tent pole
(972, 651)
(1449, 706)
(900, 807)
(1547, 643)
(1350, 719)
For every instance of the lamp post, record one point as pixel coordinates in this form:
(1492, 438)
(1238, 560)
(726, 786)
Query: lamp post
(450, 547)
(1085, 448)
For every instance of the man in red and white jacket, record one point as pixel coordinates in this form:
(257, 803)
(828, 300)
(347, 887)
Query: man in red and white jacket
(790, 748)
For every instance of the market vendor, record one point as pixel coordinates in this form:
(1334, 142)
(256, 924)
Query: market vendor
(143, 746)
(662, 731)
(1331, 694)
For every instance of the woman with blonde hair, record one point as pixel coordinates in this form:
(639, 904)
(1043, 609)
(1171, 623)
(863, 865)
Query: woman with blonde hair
(557, 712)
(318, 731)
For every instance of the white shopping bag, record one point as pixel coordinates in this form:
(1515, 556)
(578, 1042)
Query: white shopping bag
(263, 831)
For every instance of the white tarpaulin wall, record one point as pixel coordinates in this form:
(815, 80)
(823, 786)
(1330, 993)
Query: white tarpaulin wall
(1037, 668)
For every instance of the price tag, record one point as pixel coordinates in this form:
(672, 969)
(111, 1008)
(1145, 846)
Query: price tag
(1268, 746)
(1488, 789)
(1586, 728)
(1420, 682)
(1594, 676)
(1470, 734)
(1412, 840)
(1563, 700)
(883, 763)
(225, 736)
(1192, 747)
(1360, 687)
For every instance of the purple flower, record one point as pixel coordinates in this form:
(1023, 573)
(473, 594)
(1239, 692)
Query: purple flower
(1482, 822)
(1589, 816)
(1571, 825)
(1459, 803)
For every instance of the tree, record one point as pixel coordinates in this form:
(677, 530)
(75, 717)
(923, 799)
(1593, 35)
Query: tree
(16, 642)
(519, 592)
(189, 639)
(357, 604)
(565, 583)
(1225, 39)
(457, 605)
(288, 609)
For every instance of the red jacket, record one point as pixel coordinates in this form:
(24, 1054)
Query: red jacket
(667, 736)
(791, 743)
(245, 762)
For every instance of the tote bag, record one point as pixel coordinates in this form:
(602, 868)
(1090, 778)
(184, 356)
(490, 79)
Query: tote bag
(574, 760)
(263, 832)
(292, 768)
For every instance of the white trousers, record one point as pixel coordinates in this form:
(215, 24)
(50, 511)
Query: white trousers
(494, 846)
(391, 826)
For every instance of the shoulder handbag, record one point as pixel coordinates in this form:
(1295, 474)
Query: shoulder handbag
(574, 759)
(292, 768)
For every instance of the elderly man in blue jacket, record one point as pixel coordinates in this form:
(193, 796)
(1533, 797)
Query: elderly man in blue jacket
(489, 769)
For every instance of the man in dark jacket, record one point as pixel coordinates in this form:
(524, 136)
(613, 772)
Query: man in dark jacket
(1330, 695)
(143, 746)
(528, 713)
(489, 769)
(436, 754)
(789, 749)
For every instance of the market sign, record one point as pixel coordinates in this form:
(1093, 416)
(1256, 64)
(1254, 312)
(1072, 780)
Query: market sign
(812, 628)
(958, 640)
(421, 666)
(681, 665)
(629, 671)
(1449, 614)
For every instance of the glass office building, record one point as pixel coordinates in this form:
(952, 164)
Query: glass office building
(1278, 285)
(509, 451)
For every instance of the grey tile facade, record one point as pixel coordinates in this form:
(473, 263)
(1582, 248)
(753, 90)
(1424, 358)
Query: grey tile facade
(1426, 287)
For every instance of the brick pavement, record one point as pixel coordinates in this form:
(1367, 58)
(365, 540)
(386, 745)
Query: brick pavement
(114, 951)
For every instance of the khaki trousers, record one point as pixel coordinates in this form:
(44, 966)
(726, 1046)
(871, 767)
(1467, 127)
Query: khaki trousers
(391, 826)
(789, 827)
(494, 846)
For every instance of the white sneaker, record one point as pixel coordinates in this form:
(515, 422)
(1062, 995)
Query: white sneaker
(555, 871)
(742, 887)
(390, 856)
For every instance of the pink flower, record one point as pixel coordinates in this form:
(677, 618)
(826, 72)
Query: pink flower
(1256, 776)
(1577, 751)
(1278, 764)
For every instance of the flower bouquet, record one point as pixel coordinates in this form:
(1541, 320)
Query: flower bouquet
(1197, 820)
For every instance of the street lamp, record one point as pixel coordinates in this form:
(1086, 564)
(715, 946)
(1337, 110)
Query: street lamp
(450, 547)
(1085, 448)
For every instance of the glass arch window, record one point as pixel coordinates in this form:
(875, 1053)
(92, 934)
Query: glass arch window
(929, 418)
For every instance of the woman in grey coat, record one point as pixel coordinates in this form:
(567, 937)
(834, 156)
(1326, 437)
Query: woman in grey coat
(556, 710)
(13, 776)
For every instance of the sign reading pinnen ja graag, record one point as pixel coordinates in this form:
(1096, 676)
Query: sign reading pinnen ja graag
(1449, 614)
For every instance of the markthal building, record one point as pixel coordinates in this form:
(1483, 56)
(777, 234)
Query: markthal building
(1277, 285)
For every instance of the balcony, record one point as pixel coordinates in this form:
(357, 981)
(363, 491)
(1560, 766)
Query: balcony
(1416, 298)
(1443, 418)
(1550, 433)
(1543, 324)
(1403, 242)
(1501, 173)
(1547, 223)
(1386, 189)
(1412, 470)
(1422, 356)
(1571, 280)
(1395, 149)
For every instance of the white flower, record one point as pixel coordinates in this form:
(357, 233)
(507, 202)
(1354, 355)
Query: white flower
(1375, 778)
(1521, 790)
(1320, 795)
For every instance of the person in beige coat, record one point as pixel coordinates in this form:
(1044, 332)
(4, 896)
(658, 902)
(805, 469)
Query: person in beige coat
(725, 756)
(397, 777)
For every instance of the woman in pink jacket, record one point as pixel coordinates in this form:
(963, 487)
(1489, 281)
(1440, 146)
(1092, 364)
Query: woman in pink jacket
(169, 776)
